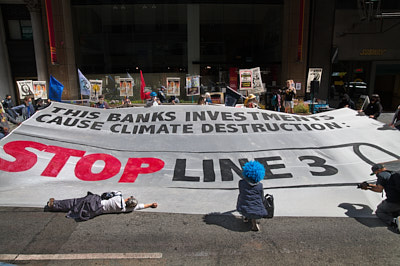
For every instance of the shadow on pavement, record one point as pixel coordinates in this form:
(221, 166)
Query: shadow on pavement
(362, 214)
(227, 220)
(386, 127)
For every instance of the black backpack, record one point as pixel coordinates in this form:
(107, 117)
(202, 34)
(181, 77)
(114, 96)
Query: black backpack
(394, 180)
(269, 205)
(111, 194)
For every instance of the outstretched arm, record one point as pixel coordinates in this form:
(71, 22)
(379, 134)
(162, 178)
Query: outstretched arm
(151, 205)
(373, 187)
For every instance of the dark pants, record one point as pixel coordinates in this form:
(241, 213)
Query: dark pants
(67, 204)
(386, 211)
(80, 209)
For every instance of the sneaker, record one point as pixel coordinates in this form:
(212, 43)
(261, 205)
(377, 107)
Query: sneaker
(396, 222)
(50, 203)
(255, 226)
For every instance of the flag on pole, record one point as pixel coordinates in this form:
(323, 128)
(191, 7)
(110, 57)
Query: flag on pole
(129, 76)
(56, 89)
(50, 29)
(84, 84)
(142, 85)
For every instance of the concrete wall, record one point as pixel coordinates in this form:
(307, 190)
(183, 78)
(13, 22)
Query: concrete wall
(65, 70)
(292, 68)
(320, 48)
(366, 41)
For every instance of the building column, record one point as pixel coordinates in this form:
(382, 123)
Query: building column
(34, 7)
(65, 70)
(293, 67)
(6, 81)
(69, 47)
(321, 39)
(193, 38)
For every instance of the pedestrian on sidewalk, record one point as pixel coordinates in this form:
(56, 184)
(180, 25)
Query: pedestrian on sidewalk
(250, 203)
(92, 205)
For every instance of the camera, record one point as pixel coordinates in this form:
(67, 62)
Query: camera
(363, 185)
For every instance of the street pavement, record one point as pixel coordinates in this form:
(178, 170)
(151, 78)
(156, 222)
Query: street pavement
(30, 236)
(152, 238)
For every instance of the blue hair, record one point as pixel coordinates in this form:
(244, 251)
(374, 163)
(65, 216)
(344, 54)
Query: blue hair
(253, 171)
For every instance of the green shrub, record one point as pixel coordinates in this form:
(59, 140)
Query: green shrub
(301, 108)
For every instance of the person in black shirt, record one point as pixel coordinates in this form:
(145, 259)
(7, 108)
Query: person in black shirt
(346, 102)
(389, 209)
(374, 108)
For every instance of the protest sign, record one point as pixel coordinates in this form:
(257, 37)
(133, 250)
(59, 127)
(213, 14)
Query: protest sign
(258, 87)
(173, 86)
(96, 89)
(40, 90)
(313, 74)
(126, 88)
(193, 85)
(25, 88)
(246, 79)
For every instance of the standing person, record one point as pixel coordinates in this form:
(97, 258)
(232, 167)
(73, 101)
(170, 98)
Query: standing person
(276, 101)
(250, 202)
(389, 209)
(102, 104)
(92, 205)
(290, 93)
(396, 119)
(208, 98)
(374, 108)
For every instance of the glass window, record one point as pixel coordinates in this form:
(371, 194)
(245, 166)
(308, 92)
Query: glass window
(20, 29)
(14, 30)
(114, 38)
(239, 36)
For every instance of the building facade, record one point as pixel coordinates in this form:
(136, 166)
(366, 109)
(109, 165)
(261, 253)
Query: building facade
(108, 40)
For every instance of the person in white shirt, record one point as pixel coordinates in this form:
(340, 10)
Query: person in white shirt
(92, 205)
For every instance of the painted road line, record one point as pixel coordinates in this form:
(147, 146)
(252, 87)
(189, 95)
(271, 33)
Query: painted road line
(80, 256)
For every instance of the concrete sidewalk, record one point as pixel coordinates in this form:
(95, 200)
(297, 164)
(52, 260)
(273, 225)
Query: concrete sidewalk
(182, 239)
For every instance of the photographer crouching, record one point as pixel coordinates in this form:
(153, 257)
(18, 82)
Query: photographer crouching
(389, 209)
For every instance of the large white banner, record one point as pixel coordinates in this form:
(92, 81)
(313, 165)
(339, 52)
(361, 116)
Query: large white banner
(189, 158)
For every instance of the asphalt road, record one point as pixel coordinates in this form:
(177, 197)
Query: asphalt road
(149, 238)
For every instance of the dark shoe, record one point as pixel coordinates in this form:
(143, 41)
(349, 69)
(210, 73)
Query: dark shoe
(396, 224)
(50, 203)
(255, 226)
